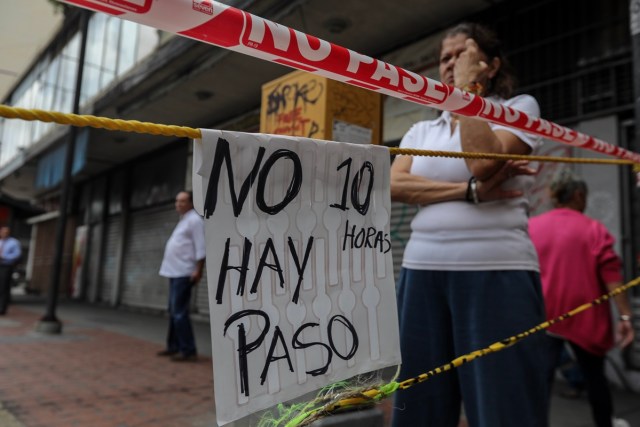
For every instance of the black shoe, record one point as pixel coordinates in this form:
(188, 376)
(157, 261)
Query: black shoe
(166, 353)
(181, 357)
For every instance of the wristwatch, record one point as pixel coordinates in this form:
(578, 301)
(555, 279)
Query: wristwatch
(625, 318)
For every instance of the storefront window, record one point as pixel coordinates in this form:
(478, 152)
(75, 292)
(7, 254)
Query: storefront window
(114, 46)
(160, 178)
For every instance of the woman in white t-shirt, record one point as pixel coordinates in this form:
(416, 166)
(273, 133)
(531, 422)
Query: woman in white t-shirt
(470, 272)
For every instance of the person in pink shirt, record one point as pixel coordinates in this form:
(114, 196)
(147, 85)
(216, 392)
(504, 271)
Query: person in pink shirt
(577, 265)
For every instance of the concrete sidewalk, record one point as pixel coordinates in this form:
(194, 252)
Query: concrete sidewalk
(102, 371)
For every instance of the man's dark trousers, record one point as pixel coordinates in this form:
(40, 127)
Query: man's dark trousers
(180, 337)
(5, 287)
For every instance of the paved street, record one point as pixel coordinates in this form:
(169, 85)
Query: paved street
(103, 372)
(93, 376)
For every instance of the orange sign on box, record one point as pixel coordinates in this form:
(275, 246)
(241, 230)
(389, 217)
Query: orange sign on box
(303, 104)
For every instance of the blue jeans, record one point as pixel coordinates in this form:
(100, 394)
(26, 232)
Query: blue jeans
(445, 314)
(180, 337)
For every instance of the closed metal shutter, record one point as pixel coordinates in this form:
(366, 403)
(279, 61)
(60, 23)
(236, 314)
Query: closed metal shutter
(148, 233)
(92, 278)
(108, 279)
(400, 227)
(201, 303)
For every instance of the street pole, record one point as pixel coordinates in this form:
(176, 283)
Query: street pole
(49, 323)
(634, 24)
(634, 14)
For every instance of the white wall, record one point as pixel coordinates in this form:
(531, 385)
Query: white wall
(603, 181)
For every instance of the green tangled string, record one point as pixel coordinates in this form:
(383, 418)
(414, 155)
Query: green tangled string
(336, 397)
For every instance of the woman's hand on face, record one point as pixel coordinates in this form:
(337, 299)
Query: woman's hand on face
(491, 188)
(471, 66)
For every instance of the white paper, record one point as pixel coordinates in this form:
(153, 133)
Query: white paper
(349, 315)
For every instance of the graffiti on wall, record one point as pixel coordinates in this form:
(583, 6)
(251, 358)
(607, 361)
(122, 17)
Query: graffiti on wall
(292, 108)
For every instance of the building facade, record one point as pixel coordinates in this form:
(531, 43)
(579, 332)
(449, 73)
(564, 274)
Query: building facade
(574, 56)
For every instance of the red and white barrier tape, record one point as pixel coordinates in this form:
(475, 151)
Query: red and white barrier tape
(234, 29)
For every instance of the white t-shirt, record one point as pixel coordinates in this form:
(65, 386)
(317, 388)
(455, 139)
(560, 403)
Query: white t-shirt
(458, 235)
(185, 247)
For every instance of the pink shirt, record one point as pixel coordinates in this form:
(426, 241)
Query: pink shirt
(577, 260)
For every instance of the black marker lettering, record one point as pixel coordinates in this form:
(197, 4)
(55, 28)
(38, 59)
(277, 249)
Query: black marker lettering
(354, 336)
(277, 336)
(347, 235)
(226, 267)
(243, 348)
(300, 269)
(355, 189)
(298, 345)
(294, 185)
(370, 233)
(223, 154)
(263, 263)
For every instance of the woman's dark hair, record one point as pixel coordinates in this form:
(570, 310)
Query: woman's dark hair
(504, 82)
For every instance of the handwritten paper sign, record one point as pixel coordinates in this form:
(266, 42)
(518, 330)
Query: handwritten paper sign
(299, 265)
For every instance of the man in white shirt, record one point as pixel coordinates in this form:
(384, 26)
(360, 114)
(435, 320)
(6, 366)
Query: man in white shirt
(10, 253)
(182, 264)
